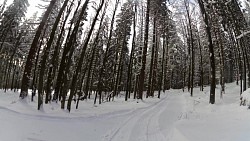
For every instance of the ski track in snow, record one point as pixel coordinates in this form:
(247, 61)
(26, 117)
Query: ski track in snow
(88, 118)
(33, 139)
(143, 124)
(174, 117)
(151, 123)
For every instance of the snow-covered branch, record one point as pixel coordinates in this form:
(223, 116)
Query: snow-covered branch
(243, 34)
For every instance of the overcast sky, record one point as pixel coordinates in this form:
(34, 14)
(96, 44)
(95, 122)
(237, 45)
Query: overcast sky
(32, 8)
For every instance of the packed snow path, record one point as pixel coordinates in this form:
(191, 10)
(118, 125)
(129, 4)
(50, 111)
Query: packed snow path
(174, 117)
(154, 123)
(151, 123)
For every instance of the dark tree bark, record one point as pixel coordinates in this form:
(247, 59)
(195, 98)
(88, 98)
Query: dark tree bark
(201, 65)
(154, 80)
(105, 58)
(79, 64)
(9, 65)
(120, 61)
(35, 75)
(32, 52)
(192, 48)
(129, 73)
(54, 61)
(70, 41)
(46, 55)
(150, 78)
(239, 24)
(161, 84)
(166, 62)
(93, 56)
(211, 51)
(144, 54)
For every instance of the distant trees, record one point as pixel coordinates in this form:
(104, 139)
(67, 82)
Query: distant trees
(11, 40)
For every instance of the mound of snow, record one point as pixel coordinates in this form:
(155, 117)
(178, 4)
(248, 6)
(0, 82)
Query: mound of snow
(245, 98)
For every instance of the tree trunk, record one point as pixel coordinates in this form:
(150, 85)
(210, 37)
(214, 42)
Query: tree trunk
(46, 55)
(150, 86)
(144, 54)
(103, 66)
(192, 49)
(35, 75)
(201, 65)
(162, 77)
(32, 52)
(54, 61)
(11, 59)
(129, 73)
(96, 40)
(120, 64)
(211, 51)
(154, 81)
(79, 64)
(222, 65)
(70, 41)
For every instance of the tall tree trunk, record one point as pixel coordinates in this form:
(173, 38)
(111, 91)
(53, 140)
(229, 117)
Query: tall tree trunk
(162, 77)
(120, 65)
(239, 24)
(236, 54)
(201, 65)
(144, 54)
(129, 73)
(70, 41)
(244, 65)
(211, 51)
(103, 66)
(222, 65)
(192, 48)
(136, 86)
(150, 78)
(154, 81)
(189, 59)
(79, 64)
(166, 62)
(54, 61)
(32, 52)
(46, 55)
(93, 56)
(35, 75)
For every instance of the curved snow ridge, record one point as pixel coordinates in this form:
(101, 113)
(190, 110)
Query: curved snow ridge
(38, 116)
(128, 111)
(74, 116)
(45, 116)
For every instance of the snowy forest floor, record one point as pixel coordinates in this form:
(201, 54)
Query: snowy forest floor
(174, 117)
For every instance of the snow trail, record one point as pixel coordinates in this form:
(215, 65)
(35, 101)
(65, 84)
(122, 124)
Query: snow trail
(174, 117)
(146, 124)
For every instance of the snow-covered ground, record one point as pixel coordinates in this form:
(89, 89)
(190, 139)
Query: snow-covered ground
(174, 117)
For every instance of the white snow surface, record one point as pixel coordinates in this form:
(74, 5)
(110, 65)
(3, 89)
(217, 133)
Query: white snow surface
(246, 97)
(174, 117)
